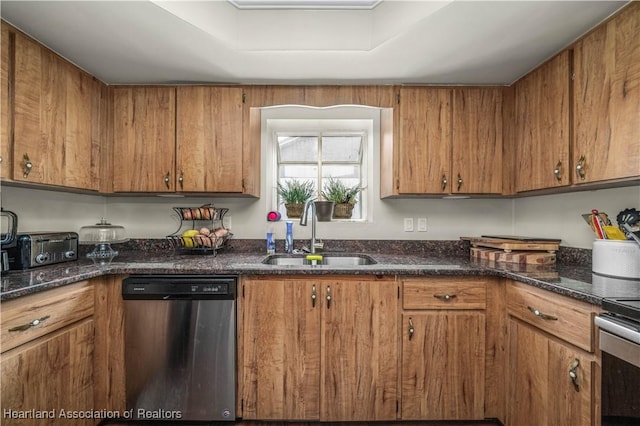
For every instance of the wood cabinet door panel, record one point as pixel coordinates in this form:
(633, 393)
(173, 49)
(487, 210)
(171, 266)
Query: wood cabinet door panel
(444, 293)
(607, 99)
(477, 141)
(6, 105)
(542, 126)
(281, 351)
(144, 139)
(51, 373)
(443, 365)
(209, 139)
(425, 140)
(359, 351)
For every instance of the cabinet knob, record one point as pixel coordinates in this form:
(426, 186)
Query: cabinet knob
(411, 329)
(573, 374)
(445, 297)
(328, 297)
(167, 180)
(314, 296)
(181, 180)
(444, 182)
(27, 165)
(557, 171)
(28, 325)
(459, 181)
(580, 167)
(541, 315)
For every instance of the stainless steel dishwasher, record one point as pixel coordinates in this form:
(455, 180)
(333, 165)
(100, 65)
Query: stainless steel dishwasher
(180, 347)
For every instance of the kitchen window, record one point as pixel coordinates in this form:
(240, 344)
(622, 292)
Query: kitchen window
(317, 156)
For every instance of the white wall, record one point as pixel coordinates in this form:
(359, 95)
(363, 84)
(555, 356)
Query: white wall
(556, 216)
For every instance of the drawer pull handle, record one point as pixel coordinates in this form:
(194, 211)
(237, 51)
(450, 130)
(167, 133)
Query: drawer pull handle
(539, 314)
(29, 324)
(573, 374)
(314, 296)
(445, 297)
(328, 297)
(411, 329)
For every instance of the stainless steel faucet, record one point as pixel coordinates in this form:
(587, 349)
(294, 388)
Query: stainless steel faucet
(310, 204)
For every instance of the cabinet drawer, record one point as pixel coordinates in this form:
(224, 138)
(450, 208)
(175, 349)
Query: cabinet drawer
(50, 310)
(439, 293)
(561, 316)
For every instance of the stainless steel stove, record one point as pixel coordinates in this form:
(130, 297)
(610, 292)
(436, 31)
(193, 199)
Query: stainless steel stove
(620, 347)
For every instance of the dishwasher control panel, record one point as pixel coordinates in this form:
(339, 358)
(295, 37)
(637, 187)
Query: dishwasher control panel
(175, 287)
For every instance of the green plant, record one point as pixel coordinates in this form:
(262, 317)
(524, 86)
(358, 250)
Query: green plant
(295, 192)
(335, 190)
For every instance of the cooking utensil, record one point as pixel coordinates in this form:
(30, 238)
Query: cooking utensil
(630, 233)
(613, 232)
(629, 216)
(597, 222)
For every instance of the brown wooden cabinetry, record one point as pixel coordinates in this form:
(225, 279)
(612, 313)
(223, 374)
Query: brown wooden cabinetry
(551, 367)
(209, 139)
(448, 141)
(6, 103)
(144, 139)
(47, 354)
(443, 349)
(57, 137)
(477, 141)
(319, 349)
(542, 126)
(607, 100)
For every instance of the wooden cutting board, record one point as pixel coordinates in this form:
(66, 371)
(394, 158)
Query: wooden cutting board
(509, 245)
(521, 257)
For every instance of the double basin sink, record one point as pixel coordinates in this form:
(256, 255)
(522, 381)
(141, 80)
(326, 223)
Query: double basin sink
(319, 260)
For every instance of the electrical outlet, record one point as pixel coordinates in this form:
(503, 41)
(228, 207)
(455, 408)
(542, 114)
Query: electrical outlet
(408, 224)
(422, 224)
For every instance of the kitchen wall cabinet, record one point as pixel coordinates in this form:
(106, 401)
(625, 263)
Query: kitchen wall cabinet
(476, 141)
(144, 139)
(209, 139)
(445, 141)
(47, 353)
(57, 138)
(542, 126)
(443, 349)
(551, 366)
(332, 337)
(607, 100)
(6, 103)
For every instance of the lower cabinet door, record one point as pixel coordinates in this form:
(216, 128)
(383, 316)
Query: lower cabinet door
(443, 365)
(50, 380)
(550, 382)
(359, 350)
(281, 350)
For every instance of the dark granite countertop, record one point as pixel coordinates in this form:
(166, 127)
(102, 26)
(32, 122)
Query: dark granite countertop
(576, 281)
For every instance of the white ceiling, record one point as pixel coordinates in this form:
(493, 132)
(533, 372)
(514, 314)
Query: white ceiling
(397, 42)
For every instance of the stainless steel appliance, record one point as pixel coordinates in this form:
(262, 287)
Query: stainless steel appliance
(8, 238)
(43, 248)
(620, 347)
(180, 347)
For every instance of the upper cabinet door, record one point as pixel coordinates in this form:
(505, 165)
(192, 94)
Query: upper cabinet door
(424, 146)
(542, 126)
(607, 100)
(55, 131)
(477, 141)
(209, 139)
(144, 139)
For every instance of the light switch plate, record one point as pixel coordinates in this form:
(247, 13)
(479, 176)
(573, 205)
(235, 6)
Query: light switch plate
(408, 224)
(422, 224)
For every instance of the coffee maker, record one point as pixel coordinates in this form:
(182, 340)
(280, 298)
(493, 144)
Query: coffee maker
(8, 236)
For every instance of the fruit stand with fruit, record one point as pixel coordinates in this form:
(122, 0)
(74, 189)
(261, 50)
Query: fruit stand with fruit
(201, 229)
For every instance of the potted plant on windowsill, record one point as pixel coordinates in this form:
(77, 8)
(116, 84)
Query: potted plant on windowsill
(344, 197)
(294, 194)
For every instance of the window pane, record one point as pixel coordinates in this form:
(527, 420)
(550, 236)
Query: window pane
(298, 149)
(342, 148)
